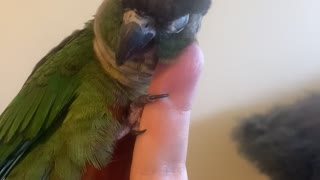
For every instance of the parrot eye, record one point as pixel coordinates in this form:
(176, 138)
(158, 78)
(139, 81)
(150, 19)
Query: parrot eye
(177, 25)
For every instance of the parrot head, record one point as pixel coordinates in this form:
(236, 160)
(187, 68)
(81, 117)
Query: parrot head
(167, 25)
(136, 27)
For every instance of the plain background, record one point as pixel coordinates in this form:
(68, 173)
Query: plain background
(258, 53)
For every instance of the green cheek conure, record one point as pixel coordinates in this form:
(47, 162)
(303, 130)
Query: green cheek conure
(89, 91)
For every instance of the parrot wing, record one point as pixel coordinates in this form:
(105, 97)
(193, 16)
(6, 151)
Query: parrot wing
(38, 108)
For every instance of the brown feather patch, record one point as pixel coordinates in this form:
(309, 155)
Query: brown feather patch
(119, 108)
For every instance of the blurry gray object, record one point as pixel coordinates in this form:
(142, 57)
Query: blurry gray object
(284, 143)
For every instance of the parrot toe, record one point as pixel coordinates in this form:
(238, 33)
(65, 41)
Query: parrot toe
(136, 109)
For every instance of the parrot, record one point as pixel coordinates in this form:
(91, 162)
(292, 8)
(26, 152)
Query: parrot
(284, 142)
(89, 91)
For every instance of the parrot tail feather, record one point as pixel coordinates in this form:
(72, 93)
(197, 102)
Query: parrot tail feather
(7, 166)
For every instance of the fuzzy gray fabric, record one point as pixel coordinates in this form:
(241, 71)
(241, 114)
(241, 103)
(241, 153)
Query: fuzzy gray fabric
(285, 143)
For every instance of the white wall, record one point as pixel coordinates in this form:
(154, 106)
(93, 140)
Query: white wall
(256, 51)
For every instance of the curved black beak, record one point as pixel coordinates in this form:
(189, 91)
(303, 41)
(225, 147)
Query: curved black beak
(135, 34)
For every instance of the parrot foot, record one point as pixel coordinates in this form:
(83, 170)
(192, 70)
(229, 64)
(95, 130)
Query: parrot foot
(136, 109)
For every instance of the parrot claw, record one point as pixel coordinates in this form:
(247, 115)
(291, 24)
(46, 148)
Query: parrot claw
(145, 99)
(151, 98)
(136, 109)
(138, 132)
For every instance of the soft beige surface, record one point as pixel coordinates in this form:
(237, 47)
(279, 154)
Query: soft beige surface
(256, 51)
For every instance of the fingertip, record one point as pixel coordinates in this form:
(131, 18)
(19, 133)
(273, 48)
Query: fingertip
(180, 79)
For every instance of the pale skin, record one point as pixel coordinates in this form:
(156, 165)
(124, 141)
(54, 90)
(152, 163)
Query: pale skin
(160, 153)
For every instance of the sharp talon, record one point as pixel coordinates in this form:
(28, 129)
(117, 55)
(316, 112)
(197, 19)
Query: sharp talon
(145, 99)
(136, 132)
(151, 98)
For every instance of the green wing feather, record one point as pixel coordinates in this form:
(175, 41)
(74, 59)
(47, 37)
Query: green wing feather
(41, 102)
